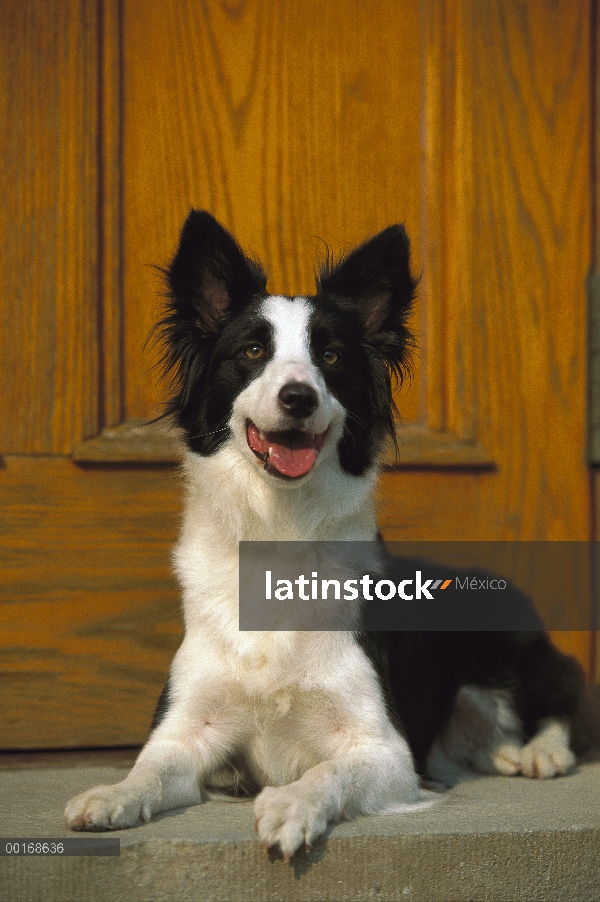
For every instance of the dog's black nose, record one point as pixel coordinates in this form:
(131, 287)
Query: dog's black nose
(298, 399)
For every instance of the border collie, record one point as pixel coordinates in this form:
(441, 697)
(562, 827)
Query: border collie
(285, 404)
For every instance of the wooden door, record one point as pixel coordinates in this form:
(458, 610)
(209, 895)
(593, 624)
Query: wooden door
(293, 122)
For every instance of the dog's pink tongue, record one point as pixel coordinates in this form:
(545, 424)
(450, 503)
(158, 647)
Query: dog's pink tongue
(293, 459)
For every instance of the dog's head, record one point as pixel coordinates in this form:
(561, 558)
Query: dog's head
(292, 381)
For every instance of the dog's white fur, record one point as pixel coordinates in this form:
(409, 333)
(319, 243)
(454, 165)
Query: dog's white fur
(301, 714)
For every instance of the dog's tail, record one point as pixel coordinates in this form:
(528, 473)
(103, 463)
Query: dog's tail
(426, 799)
(225, 795)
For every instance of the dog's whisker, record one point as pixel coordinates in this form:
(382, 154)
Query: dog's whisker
(347, 431)
(204, 434)
(357, 419)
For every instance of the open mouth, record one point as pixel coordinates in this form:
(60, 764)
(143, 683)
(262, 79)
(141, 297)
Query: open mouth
(290, 453)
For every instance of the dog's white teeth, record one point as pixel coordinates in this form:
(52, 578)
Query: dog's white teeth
(262, 435)
(270, 452)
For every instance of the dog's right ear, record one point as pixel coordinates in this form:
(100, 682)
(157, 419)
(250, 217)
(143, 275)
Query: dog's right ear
(209, 278)
(210, 275)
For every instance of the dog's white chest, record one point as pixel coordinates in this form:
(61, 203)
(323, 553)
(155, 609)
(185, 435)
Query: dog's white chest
(290, 733)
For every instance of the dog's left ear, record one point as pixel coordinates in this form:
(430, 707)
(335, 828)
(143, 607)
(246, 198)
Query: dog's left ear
(376, 276)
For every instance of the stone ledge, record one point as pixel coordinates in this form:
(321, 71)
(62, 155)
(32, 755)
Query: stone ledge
(490, 838)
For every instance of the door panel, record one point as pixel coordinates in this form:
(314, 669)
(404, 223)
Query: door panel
(90, 613)
(293, 122)
(48, 242)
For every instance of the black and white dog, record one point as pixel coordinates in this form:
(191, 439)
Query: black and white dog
(285, 403)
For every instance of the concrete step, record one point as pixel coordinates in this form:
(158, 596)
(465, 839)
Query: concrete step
(489, 838)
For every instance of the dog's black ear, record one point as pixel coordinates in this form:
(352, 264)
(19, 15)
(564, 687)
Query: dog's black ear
(375, 279)
(376, 275)
(210, 275)
(209, 278)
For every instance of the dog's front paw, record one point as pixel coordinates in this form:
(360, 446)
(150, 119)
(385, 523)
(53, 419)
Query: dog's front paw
(289, 817)
(108, 808)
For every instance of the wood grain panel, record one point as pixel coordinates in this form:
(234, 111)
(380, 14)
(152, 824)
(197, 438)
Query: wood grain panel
(292, 122)
(446, 230)
(594, 363)
(48, 253)
(85, 669)
(89, 619)
(527, 96)
(110, 214)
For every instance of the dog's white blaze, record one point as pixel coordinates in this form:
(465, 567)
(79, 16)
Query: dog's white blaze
(290, 319)
(292, 362)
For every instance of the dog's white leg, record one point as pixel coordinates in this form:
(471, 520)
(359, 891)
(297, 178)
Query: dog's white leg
(166, 775)
(170, 772)
(376, 779)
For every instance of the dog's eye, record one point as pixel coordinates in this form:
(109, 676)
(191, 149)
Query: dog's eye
(254, 351)
(330, 357)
